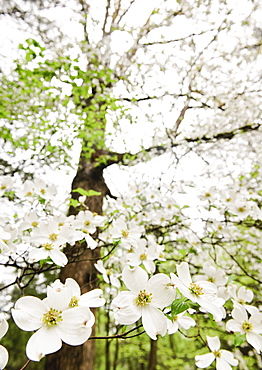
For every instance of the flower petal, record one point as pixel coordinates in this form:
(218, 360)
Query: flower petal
(234, 326)
(3, 357)
(183, 273)
(125, 310)
(221, 364)
(28, 313)
(228, 357)
(203, 361)
(43, 342)
(213, 343)
(75, 328)
(255, 340)
(163, 292)
(135, 279)
(3, 328)
(154, 321)
(92, 298)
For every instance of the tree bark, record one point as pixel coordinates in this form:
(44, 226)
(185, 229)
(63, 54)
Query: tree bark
(152, 355)
(81, 268)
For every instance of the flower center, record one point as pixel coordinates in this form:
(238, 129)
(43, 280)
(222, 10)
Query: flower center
(53, 237)
(34, 224)
(48, 246)
(241, 209)
(125, 233)
(247, 326)
(52, 317)
(241, 301)
(195, 289)
(211, 279)
(217, 353)
(143, 298)
(143, 256)
(74, 301)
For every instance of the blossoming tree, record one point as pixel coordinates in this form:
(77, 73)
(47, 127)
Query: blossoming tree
(174, 251)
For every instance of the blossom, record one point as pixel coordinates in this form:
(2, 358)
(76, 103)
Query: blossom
(178, 321)
(202, 292)
(145, 299)
(251, 326)
(241, 296)
(144, 255)
(215, 276)
(107, 274)
(223, 358)
(3, 351)
(55, 319)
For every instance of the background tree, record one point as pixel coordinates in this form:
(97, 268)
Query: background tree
(183, 87)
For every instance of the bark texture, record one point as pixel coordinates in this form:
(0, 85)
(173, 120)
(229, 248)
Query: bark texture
(81, 268)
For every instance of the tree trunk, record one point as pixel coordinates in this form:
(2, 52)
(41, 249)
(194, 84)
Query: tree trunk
(81, 269)
(152, 356)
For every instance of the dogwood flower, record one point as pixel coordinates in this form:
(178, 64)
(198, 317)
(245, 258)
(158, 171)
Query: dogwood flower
(55, 319)
(178, 321)
(3, 351)
(145, 299)
(202, 292)
(251, 326)
(223, 358)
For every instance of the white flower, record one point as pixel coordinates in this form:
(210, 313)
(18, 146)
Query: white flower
(223, 358)
(179, 321)
(242, 296)
(128, 234)
(202, 292)
(108, 276)
(144, 255)
(251, 326)
(213, 275)
(53, 320)
(3, 351)
(145, 299)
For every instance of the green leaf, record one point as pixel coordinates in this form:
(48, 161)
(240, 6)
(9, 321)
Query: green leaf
(73, 202)
(178, 306)
(88, 193)
(239, 340)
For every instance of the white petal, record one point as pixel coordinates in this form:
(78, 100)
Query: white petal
(256, 321)
(28, 313)
(43, 342)
(73, 285)
(37, 254)
(58, 257)
(154, 321)
(75, 328)
(135, 279)
(3, 328)
(92, 298)
(213, 343)
(239, 314)
(186, 322)
(221, 364)
(246, 294)
(172, 327)
(58, 298)
(255, 340)
(162, 291)
(203, 361)
(150, 266)
(3, 357)
(125, 310)
(228, 357)
(234, 326)
(183, 273)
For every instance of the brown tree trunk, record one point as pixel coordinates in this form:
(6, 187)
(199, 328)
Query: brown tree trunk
(81, 269)
(152, 355)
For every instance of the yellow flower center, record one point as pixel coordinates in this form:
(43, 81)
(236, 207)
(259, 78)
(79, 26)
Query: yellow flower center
(143, 256)
(52, 317)
(34, 224)
(48, 246)
(143, 298)
(125, 233)
(247, 326)
(74, 302)
(217, 353)
(53, 237)
(195, 289)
